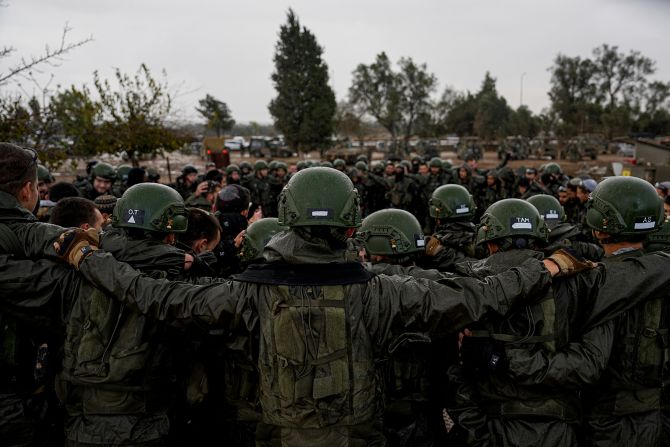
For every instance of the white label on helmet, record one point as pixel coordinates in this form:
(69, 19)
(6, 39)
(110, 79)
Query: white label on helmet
(522, 223)
(320, 213)
(551, 215)
(420, 243)
(462, 210)
(645, 223)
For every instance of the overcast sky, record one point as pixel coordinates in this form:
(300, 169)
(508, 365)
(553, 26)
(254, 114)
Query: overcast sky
(225, 48)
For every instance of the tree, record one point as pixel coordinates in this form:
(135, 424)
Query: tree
(399, 101)
(375, 89)
(416, 87)
(52, 56)
(79, 119)
(216, 113)
(304, 107)
(492, 111)
(135, 114)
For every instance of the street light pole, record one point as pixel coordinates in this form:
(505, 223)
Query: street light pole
(521, 89)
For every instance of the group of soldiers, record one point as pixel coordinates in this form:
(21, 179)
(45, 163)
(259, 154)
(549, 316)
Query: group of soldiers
(403, 304)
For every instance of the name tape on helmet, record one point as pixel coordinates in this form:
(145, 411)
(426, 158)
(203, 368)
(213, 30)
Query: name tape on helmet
(134, 216)
(551, 215)
(644, 223)
(420, 241)
(319, 213)
(462, 209)
(521, 223)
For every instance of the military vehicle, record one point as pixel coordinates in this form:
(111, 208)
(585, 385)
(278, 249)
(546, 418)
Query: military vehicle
(588, 145)
(469, 145)
(517, 146)
(266, 147)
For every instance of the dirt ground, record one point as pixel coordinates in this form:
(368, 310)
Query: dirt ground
(595, 168)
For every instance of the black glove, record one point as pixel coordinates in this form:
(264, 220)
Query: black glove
(482, 355)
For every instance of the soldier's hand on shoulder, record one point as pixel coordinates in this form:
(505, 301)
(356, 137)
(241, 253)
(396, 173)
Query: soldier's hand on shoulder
(568, 262)
(433, 246)
(74, 245)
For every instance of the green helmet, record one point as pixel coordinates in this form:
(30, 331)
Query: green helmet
(326, 164)
(43, 174)
(257, 236)
(391, 232)
(362, 158)
(550, 209)
(362, 166)
(302, 164)
(435, 162)
(319, 197)
(272, 165)
(282, 165)
(624, 206)
(311, 163)
(153, 175)
(152, 207)
(189, 169)
(105, 171)
(552, 168)
(245, 165)
(260, 164)
(123, 170)
(446, 165)
(232, 168)
(511, 217)
(452, 202)
(339, 163)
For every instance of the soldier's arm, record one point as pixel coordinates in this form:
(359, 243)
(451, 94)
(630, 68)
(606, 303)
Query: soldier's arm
(396, 304)
(575, 365)
(36, 238)
(213, 304)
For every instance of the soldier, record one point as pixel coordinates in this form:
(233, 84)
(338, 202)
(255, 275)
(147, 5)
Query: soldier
(516, 405)
(134, 388)
(44, 181)
(630, 406)
(561, 233)
(259, 186)
(77, 212)
(340, 165)
(245, 169)
(233, 174)
(322, 325)
(103, 177)
(393, 240)
(400, 193)
(453, 209)
(276, 183)
(186, 183)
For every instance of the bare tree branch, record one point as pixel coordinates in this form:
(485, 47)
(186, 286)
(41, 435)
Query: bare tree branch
(51, 56)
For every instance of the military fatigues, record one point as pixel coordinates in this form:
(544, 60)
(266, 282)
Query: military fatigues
(319, 382)
(35, 301)
(630, 405)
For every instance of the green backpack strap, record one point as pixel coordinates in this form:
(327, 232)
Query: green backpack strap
(9, 243)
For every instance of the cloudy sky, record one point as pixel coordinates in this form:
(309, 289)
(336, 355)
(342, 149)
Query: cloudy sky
(225, 48)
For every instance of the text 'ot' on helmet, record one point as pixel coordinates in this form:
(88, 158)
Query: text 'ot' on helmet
(391, 232)
(510, 218)
(319, 197)
(624, 206)
(451, 202)
(152, 207)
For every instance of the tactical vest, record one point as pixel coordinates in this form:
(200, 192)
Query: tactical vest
(531, 327)
(638, 376)
(313, 374)
(110, 360)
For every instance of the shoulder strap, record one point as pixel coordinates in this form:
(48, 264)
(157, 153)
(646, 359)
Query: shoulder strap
(9, 243)
(305, 274)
